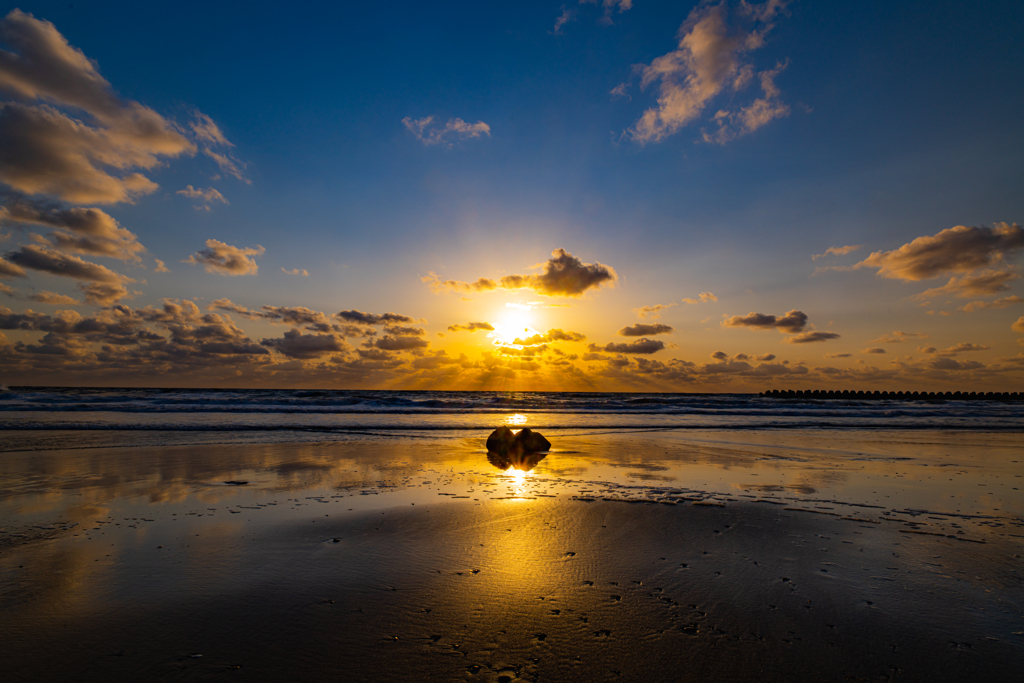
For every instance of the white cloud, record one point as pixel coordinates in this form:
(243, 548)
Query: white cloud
(454, 130)
(44, 150)
(204, 197)
(702, 298)
(225, 259)
(79, 230)
(960, 249)
(708, 61)
(837, 251)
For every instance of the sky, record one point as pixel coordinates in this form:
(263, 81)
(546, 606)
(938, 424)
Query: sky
(605, 195)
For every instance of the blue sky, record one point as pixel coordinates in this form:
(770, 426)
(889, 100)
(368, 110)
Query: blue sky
(879, 124)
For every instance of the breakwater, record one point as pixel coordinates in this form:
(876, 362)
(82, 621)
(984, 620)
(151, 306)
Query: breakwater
(817, 394)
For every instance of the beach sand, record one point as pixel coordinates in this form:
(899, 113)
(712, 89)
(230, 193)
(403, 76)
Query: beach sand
(767, 556)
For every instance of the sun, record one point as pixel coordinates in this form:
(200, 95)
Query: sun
(513, 323)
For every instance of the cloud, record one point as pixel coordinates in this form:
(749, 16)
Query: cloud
(161, 267)
(960, 249)
(838, 355)
(481, 285)
(837, 251)
(285, 315)
(79, 230)
(561, 20)
(206, 130)
(203, 343)
(950, 364)
(8, 269)
(651, 311)
(722, 356)
(204, 197)
(354, 316)
(45, 151)
(899, 336)
(400, 343)
(609, 6)
(296, 271)
(564, 275)
(231, 307)
(641, 346)
(401, 330)
(962, 347)
(791, 323)
(703, 298)
(760, 112)
(982, 283)
(707, 61)
(454, 129)
(620, 91)
(229, 165)
(998, 303)
(8, 290)
(1019, 325)
(102, 286)
(48, 260)
(54, 299)
(104, 293)
(294, 344)
(811, 337)
(875, 349)
(643, 330)
(471, 327)
(225, 259)
(552, 335)
(314, 321)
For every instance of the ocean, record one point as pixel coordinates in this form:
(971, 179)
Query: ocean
(34, 417)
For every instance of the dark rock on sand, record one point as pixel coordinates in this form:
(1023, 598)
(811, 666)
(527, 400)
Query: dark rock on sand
(503, 442)
(522, 451)
(532, 442)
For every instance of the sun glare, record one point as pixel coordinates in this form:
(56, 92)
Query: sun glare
(513, 323)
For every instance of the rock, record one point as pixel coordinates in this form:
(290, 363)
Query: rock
(532, 442)
(506, 445)
(501, 441)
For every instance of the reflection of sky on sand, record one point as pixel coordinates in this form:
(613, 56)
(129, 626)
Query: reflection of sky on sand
(965, 473)
(153, 492)
(515, 550)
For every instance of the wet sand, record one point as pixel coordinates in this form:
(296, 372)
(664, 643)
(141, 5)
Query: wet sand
(759, 556)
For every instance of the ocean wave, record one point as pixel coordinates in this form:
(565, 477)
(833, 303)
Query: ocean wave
(271, 409)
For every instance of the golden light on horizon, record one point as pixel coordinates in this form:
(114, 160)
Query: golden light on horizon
(516, 419)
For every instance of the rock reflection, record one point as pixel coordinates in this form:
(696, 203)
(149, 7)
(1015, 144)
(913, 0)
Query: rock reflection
(523, 462)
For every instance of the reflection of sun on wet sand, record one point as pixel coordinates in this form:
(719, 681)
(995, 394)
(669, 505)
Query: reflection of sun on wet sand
(752, 557)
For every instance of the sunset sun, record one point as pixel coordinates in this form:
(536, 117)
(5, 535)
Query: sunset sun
(513, 323)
